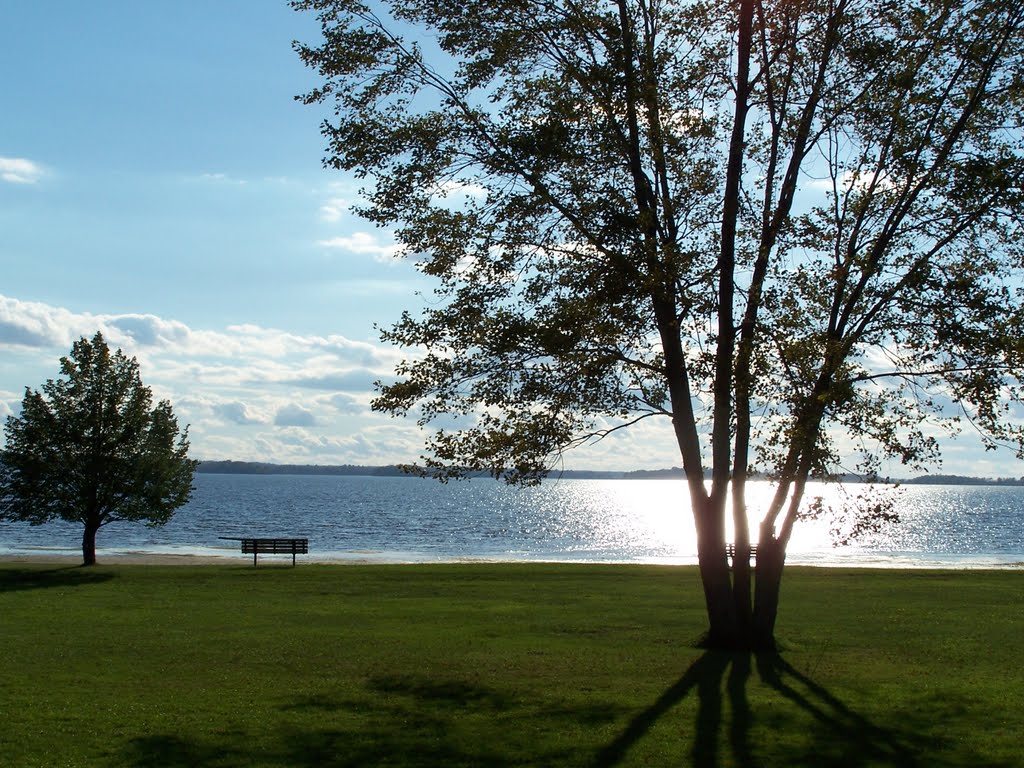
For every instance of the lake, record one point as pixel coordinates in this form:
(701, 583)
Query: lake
(396, 519)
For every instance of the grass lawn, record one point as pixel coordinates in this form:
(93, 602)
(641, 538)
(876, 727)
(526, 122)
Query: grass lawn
(501, 665)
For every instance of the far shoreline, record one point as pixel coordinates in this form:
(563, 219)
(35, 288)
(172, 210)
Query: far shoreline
(233, 467)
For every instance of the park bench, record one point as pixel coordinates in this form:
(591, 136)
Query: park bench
(256, 547)
(730, 552)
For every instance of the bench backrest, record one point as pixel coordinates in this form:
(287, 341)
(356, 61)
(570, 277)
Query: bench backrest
(275, 546)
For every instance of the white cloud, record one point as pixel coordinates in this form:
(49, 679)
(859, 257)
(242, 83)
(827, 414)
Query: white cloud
(18, 170)
(337, 380)
(456, 188)
(149, 330)
(334, 209)
(854, 180)
(346, 403)
(28, 324)
(237, 413)
(221, 178)
(370, 445)
(364, 243)
(293, 415)
(32, 324)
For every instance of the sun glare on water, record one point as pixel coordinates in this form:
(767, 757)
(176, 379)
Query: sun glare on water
(645, 515)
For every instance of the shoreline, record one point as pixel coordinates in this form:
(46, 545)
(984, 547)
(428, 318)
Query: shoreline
(133, 558)
(143, 558)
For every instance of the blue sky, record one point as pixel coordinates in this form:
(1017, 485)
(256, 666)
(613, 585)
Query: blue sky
(159, 183)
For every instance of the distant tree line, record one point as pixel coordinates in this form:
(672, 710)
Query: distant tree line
(963, 480)
(673, 473)
(264, 468)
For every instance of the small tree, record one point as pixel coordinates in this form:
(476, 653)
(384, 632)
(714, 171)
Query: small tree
(91, 448)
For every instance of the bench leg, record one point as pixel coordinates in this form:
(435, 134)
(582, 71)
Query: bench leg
(254, 559)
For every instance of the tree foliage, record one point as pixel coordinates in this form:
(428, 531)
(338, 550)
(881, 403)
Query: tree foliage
(90, 447)
(785, 227)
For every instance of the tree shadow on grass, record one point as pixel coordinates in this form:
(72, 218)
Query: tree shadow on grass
(20, 579)
(451, 693)
(705, 677)
(782, 717)
(842, 737)
(398, 719)
(166, 751)
(837, 735)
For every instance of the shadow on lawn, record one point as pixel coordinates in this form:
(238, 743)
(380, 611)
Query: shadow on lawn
(838, 737)
(408, 720)
(19, 579)
(423, 720)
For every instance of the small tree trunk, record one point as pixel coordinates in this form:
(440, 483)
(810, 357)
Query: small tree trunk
(741, 578)
(89, 543)
(771, 558)
(723, 630)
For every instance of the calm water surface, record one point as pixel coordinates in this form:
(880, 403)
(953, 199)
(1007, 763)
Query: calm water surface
(643, 521)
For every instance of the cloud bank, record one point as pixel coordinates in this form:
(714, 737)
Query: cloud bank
(247, 392)
(18, 170)
(251, 393)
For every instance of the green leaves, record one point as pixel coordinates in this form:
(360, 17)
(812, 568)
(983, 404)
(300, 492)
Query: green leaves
(871, 284)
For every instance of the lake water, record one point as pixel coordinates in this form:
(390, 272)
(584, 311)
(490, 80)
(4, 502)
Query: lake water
(395, 519)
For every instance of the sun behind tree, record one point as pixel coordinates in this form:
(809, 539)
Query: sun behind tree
(90, 447)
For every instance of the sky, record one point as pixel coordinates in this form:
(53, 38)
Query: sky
(160, 183)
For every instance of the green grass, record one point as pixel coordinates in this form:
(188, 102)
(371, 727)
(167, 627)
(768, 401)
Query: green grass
(501, 665)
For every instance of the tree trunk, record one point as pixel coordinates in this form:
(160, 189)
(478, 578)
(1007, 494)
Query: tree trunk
(771, 557)
(723, 629)
(719, 598)
(89, 543)
(724, 600)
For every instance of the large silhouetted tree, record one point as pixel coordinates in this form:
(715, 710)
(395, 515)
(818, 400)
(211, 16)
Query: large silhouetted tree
(90, 447)
(769, 223)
